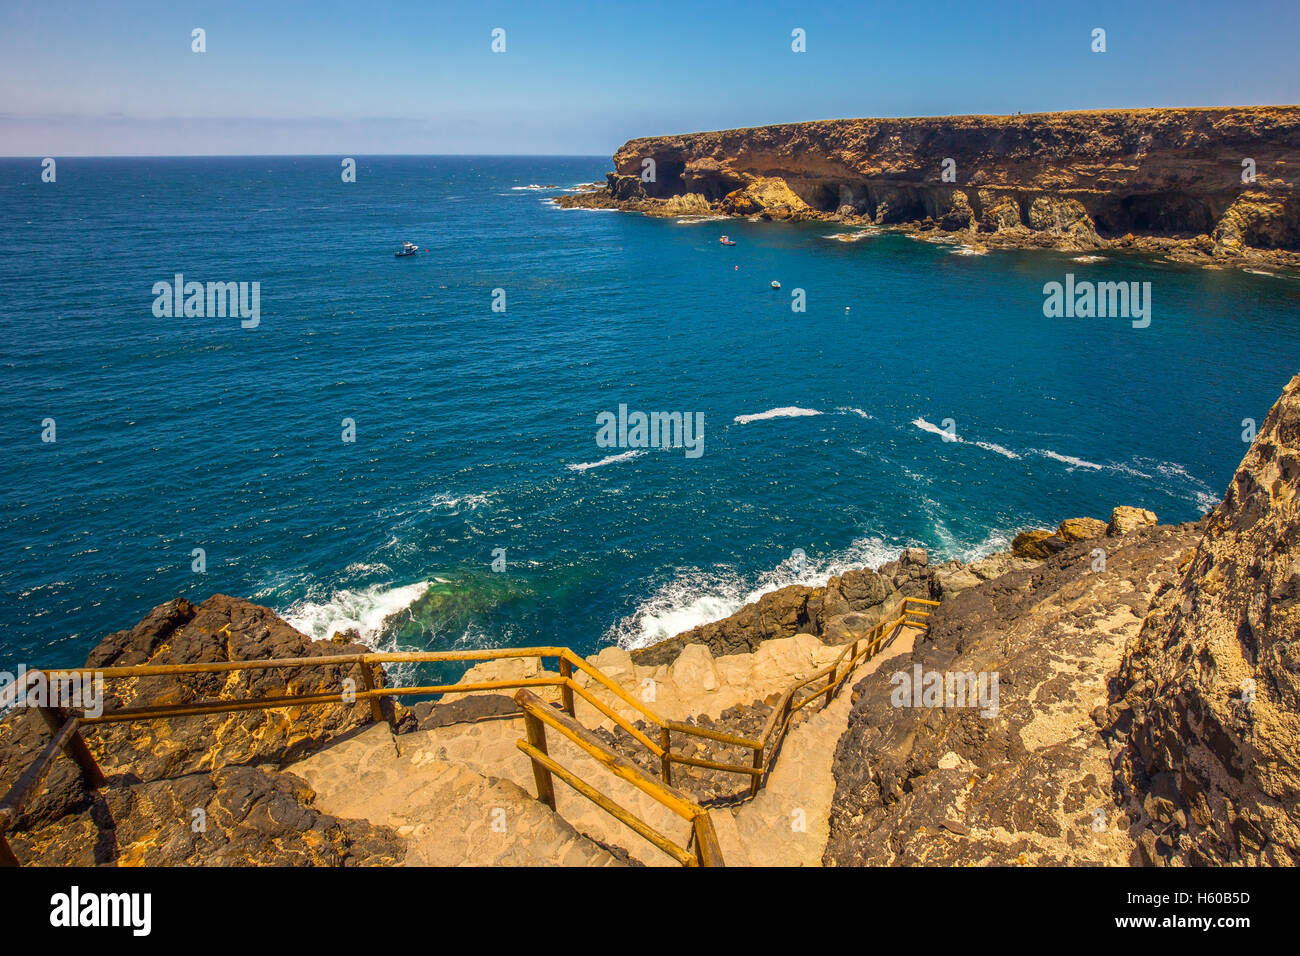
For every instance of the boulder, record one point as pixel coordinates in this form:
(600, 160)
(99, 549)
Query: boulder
(995, 565)
(951, 581)
(693, 671)
(1125, 519)
(1029, 544)
(614, 662)
(1081, 529)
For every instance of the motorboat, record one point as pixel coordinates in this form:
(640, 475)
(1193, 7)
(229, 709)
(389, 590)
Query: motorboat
(727, 242)
(408, 249)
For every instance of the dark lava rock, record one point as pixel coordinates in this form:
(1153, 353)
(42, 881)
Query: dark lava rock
(1207, 704)
(949, 785)
(145, 761)
(238, 816)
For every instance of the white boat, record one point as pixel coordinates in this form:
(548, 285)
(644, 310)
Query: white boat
(408, 249)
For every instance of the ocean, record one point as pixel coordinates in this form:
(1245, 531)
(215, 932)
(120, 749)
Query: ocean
(475, 506)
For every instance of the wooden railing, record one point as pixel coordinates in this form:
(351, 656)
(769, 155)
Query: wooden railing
(538, 716)
(66, 733)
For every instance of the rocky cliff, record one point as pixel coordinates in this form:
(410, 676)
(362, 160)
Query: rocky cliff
(1212, 184)
(204, 789)
(1148, 705)
(1207, 706)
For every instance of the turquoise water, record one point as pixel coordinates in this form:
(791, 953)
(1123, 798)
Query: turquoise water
(182, 433)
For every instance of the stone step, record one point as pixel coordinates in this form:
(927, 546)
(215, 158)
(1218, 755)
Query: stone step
(463, 793)
(449, 814)
(788, 823)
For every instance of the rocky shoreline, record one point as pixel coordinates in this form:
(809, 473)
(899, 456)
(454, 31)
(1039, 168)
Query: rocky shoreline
(850, 604)
(1209, 187)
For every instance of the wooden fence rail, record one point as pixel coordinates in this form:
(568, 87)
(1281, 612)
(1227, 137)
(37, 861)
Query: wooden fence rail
(66, 733)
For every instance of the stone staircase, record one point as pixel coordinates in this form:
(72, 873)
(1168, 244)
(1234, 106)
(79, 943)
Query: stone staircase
(463, 794)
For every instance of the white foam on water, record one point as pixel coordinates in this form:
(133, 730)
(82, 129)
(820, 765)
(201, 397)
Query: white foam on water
(696, 596)
(789, 411)
(362, 609)
(470, 501)
(850, 410)
(934, 429)
(990, 446)
(625, 456)
(1070, 460)
(930, 427)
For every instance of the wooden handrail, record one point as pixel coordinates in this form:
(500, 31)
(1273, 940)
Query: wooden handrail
(539, 715)
(765, 747)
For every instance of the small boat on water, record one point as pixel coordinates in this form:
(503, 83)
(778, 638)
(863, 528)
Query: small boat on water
(727, 242)
(775, 284)
(408, 249)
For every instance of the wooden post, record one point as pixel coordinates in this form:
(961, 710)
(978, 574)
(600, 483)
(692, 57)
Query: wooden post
(7, 857)
(541, 776)
(75, 747)
(566, 692)
(707, 850)
(367, 675)
(666, 761)
(757, 778)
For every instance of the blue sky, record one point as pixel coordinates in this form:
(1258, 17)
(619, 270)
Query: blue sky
(411, 76)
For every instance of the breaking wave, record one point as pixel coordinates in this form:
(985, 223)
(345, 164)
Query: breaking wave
(365, 610)
(625, 456)
(697, 596)
(788, 411)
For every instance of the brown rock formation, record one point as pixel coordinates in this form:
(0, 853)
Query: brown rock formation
(190, 763)
(954, 785)
(1166, 179)
(849, 605)
(1209, 694)
(1149, 710)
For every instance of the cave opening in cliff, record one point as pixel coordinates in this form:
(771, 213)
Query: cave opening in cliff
(1166, 214)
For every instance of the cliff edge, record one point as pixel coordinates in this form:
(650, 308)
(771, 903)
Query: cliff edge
(1211, 185)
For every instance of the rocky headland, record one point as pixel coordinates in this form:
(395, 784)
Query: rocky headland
(1215, 186)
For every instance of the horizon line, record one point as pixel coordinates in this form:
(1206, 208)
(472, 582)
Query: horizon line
(38, 158)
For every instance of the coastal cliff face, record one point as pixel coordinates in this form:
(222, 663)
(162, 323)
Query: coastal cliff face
(1208, 697)
(1168, 179)
(1149, 709)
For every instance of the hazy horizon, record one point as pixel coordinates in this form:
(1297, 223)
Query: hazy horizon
(578, 79)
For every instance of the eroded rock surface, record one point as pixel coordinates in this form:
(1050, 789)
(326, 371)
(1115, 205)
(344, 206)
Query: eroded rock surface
(959, 785)
(1163, 180)
(1208, 700)
(160, 771)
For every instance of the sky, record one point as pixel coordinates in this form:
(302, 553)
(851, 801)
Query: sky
(580, 78)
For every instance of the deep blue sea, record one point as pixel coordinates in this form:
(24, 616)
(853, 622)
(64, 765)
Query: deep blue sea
(475, 430)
